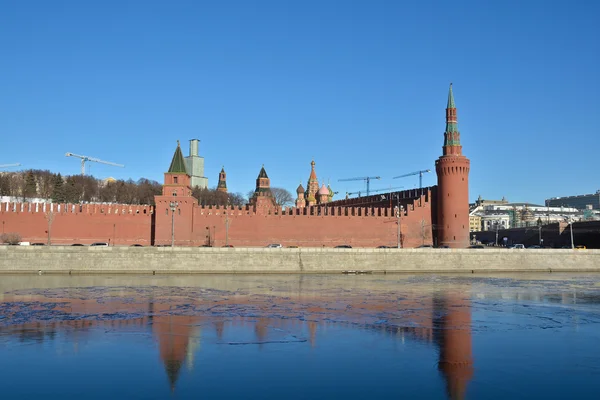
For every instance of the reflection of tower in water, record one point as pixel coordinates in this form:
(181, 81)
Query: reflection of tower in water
(176, 335)
(452, 322)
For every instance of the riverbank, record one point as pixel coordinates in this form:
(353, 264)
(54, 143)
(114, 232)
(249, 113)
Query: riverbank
(190, 260)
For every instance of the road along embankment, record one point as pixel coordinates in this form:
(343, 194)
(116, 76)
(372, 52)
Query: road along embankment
(186, 260)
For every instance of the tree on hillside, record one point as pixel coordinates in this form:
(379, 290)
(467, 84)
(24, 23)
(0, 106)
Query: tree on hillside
(90, 188)
(146, 190)
(282, 196)
(108, 192)
(58, 193)
(73, 190)
(126, 192)
(213, 197)
(30, 189)
(4, 184)
(45, 180)
(236, 199)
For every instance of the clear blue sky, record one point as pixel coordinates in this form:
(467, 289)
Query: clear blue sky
(361, 86)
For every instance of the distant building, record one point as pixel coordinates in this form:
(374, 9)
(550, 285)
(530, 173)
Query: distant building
(580, 202)
(195, 166)
(474, 223)
(517, 215)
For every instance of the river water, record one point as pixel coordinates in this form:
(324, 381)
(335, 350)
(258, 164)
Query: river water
(300, 336)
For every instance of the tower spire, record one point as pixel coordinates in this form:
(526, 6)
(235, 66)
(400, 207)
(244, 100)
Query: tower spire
(451, 135)
(450, 98)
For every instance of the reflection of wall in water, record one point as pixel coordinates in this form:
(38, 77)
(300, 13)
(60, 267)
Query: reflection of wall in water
(442, 319)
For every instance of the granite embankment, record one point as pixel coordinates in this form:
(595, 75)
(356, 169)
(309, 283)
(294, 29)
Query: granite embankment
(166, 260)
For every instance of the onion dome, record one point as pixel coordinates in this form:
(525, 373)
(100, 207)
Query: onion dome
(323, 191)
(300, 189)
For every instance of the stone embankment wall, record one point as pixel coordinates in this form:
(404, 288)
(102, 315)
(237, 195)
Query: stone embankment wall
(165, 260)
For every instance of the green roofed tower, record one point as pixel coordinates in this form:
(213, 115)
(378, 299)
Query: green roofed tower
(177, 178)
(178, 162)
(451, 135)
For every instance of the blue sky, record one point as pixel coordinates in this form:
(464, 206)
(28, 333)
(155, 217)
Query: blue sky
(361, 86)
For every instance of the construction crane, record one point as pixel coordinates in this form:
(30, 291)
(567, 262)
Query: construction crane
(374, 191)
(420, 173)
(366, 179)
(9, 165)
(86, 158)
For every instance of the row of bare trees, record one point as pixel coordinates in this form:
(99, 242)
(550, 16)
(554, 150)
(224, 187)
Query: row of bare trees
(43, 184)
(282, 196)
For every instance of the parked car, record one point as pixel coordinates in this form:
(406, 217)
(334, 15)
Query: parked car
(343, 246)
(136, 245)
(535, 246)
(292, 247)
(580, 247)
(274, 246)
(227, 245)
(424, 246)
(384, 247)
(444, 246)
(100, 244)
(516, 246)
(38, 244)
(76, 244)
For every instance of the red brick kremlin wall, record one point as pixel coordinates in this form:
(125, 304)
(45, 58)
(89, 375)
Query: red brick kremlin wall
(74, 223)
(305, 227)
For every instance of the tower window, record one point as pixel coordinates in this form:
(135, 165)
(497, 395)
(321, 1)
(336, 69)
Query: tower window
(175, 179)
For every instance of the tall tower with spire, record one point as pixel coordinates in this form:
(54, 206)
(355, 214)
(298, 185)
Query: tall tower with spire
(453, 185)
(312, 187)
(222, 185)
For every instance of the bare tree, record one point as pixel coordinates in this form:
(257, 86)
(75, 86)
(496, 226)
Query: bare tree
(236, 199)
(282, 196)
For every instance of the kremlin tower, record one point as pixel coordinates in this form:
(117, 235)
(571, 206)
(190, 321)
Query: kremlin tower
(222, 185)
(263, 197)
(453, 185)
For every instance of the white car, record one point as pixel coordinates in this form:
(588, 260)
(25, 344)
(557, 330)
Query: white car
(275, 246)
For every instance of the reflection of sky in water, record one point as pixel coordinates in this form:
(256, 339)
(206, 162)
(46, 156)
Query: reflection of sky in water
(273, 337)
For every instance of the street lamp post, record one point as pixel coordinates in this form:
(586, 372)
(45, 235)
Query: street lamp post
(227, 228)
(399, 209)
(173, 206)
(497, 226)
(571, 226)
